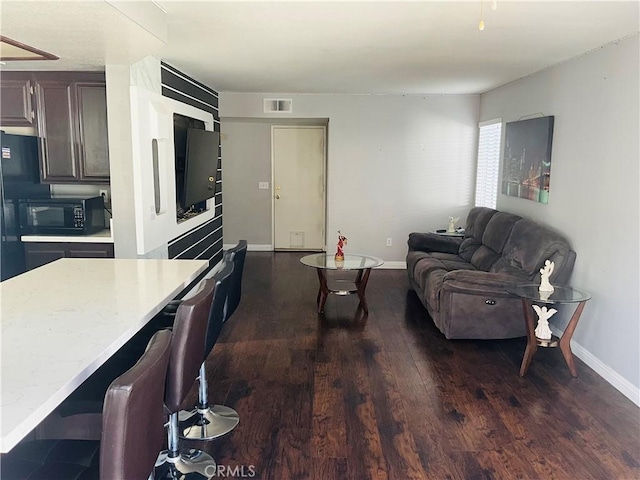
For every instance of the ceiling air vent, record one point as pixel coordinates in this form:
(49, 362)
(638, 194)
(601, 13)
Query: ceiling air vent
(278, 105)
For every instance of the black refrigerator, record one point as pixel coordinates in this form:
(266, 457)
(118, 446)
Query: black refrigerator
(19, 178)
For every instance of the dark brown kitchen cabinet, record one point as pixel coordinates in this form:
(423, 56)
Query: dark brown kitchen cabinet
(90, 250)
(92, 122)
(41, 253)
(16, 100)
(72, 126)
(58, 149)
(38, 254)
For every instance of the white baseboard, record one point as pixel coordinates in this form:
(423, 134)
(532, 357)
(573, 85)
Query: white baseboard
(394, 265)
(255, 247)
(391, 265)
(621, 384)
(251, 247)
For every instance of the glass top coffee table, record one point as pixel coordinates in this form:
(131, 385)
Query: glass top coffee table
(362, 264)
(529, 295)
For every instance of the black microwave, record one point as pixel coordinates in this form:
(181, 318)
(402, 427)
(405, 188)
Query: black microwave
(61, 216)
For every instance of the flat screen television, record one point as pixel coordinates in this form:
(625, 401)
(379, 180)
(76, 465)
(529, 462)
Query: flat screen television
(201, 166)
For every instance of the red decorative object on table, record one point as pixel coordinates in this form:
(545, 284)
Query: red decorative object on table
(342, 241)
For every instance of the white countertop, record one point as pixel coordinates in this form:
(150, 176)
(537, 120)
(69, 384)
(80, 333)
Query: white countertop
(61, 321)
(104, 236)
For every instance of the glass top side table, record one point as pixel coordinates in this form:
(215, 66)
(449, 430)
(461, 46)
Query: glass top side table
(529, 295)
(360, 263)
(445, 233)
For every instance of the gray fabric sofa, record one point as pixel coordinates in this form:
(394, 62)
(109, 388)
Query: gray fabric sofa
(461, 281)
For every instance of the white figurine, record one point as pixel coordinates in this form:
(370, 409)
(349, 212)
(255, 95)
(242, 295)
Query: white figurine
(452, 224)
(543, 332)
(545, 273)
(544, 295)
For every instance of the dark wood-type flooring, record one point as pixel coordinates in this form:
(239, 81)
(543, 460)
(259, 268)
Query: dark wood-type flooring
(333, 397)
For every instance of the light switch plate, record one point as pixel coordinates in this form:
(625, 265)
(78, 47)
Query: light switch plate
(263, 185)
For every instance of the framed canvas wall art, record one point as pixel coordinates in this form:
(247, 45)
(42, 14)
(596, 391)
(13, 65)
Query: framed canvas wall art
(527, 159)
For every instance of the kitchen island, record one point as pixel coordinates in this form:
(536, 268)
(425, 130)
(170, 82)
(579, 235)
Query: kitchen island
(62, 321)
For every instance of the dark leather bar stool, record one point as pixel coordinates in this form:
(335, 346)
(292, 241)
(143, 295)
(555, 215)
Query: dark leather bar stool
(189, 330)
(236, 255)
(206, 422)
(131, 433)
(217, 420)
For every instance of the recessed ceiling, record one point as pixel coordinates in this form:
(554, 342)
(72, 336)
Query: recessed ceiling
(330, 46)
(86, 35)
(10, 50)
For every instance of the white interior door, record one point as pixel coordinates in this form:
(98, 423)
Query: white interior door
(298, 187)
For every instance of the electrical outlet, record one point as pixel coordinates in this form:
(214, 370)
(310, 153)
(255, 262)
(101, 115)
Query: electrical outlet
(104, 193)
(389, 242)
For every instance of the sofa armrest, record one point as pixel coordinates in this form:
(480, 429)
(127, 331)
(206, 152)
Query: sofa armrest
(432, 242)
(477, 282)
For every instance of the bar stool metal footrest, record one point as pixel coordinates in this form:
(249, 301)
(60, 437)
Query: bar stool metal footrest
(189, 465)
(209, 423)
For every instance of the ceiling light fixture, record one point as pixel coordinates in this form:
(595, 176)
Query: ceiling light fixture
(494, 6)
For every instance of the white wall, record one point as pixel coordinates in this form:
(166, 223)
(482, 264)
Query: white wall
(593, 196)
(396, 163)
(121, 160)
(246, 147)
(246, 161)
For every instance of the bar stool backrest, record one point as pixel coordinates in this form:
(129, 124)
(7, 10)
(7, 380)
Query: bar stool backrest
(222, 280)
(132, 426)
(236, 255)
(187, 351)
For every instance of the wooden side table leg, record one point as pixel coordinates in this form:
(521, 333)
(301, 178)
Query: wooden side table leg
(532, 343)
(565, 341)
(361, 285)
(323, 291)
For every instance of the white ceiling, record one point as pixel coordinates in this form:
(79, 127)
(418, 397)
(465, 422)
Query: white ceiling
(323, 46)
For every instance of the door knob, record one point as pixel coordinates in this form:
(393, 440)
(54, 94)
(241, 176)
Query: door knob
(277, 197)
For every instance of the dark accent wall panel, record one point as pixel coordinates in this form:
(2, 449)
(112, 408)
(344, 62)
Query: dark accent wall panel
(191, 238)
(188, 100)
(205, 241)
(174, 78)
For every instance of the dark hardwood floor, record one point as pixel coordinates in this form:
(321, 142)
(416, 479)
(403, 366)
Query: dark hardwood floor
(333, 397)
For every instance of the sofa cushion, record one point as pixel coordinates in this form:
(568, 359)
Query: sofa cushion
(503, 266)
(498, 230)
(413, 257)
(458, 264)
(452, 261)
(484, 258)
(446, 256)
(433, 242)
(433, 286)
(424, 267)
(529, 245)
(477, 221)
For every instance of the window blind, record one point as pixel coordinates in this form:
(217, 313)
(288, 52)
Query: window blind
(488, 163)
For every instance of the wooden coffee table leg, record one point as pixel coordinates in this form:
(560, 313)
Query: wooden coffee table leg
(565, 341)
(361, 284)
(323, 291)
(532, 343)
